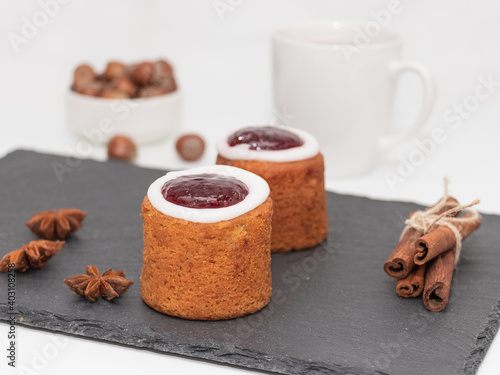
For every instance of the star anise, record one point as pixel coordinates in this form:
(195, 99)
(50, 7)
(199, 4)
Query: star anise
(56, 224)
(34, 255)
(110, 285)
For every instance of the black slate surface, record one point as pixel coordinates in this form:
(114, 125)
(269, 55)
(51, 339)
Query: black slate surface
(334, 311)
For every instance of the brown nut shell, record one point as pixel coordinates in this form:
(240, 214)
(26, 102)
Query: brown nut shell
(125, 85)
(121, 147)
(91, 88)
(190, 147)
(114, 94)
(144, 73)
(115, 70)
(83, 75)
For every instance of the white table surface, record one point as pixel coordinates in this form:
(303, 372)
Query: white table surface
(223, 67)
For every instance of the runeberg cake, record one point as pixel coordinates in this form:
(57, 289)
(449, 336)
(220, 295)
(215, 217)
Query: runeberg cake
(290, 161)
(207, 240)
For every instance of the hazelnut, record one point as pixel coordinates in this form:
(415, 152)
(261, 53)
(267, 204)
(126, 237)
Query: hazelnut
(163, 69)
(115, 70)
(83, 74)
(121, 147)
(114, 94)
(147, 92)
(164, 76)
(190, 147)
(91, 88)
(168, 84)
(144, 73)
(124, 85)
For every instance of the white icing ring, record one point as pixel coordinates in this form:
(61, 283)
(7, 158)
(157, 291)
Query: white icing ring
(258, 191)
(309, 149)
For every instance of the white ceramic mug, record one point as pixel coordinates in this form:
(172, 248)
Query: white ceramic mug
(338, 81)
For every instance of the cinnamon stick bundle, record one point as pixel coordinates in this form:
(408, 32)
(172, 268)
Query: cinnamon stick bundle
(429, 247)
(413, 284)
(442, 238)
(402, 260)
(438, 281)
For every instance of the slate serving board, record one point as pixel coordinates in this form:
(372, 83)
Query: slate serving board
(333, 311)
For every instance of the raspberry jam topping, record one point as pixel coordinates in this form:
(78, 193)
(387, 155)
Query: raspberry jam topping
(206, 190)
(265, 138)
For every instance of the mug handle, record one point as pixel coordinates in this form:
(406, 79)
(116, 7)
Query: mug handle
(397, 69)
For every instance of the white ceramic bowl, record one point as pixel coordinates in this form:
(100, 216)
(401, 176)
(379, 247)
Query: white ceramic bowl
(142, 119)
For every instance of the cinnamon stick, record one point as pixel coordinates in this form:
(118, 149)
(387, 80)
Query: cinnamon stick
(402, 260)
(442, 239)
(413, 284)
(438, 281)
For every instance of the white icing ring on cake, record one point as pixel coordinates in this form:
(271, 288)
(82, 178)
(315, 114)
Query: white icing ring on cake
(309, 149)
(258, 192)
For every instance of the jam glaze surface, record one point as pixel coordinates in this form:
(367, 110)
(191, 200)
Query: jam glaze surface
(204, 190)
(265, 138)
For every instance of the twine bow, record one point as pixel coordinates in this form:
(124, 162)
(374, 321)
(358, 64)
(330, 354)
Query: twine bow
(425, 221)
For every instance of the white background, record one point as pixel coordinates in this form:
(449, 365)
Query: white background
(223, 66)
